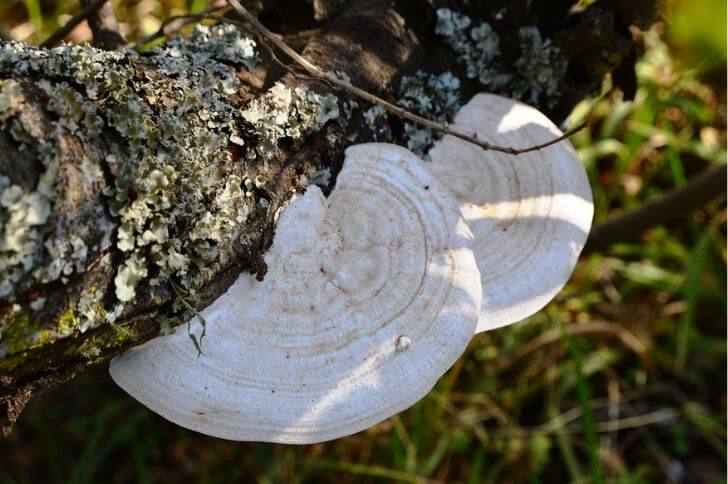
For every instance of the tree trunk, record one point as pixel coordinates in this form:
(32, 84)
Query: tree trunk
(135, 188)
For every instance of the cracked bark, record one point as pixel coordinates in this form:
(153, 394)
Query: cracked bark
(375, 43)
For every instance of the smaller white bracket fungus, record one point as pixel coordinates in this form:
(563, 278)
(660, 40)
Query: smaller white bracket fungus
(370, 296)
(530, 214)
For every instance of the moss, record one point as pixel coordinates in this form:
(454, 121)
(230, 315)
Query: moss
(20, 332)
(9, 362)
(98, 345)
(68, 321)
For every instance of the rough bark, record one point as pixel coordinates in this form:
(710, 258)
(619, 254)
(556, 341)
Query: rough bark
(53, 327)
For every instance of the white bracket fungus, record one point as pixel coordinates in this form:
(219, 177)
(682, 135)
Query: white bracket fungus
(530, 214)
(370, 296)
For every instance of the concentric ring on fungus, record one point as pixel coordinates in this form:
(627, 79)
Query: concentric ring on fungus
(370, 296)
(530, 214)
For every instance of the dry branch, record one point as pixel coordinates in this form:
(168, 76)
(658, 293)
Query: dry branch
(699, 191)
(88, 10)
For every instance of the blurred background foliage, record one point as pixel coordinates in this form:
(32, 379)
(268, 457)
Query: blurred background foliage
(621, 378)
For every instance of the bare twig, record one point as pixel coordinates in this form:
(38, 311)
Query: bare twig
(104, 26)
(315, 71)
(176, 23)
(84, 14)
(701, 189)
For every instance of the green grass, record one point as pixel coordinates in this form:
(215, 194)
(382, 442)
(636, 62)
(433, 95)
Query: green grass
(620, 379)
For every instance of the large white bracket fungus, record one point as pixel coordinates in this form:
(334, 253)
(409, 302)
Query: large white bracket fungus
(370, 296)
(530, 214)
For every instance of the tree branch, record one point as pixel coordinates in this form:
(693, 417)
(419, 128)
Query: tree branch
(176, 23)
(104, 26)
(84, 14)
(315, 71)
(701, 189)
(81, 212)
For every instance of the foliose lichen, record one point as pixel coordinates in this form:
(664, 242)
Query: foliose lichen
(23, 212)
(433, 96)
(477, 47)
(283, 112)
(169, 185)
(534, 77)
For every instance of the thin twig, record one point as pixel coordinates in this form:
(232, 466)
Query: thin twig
(85, 12)
(315, 71)
(104, 27)
(181, 22)
(699, 190)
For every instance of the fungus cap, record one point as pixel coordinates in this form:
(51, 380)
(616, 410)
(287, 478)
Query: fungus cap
(370, 296)
(530, 213)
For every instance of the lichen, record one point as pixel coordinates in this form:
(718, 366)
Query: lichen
(168, 174)
(534, 76)
(435, 97)
(23, 213)
(540, 68)
(378, 123)
(68, 321)
(477, 47)
(11, 97)
(283, 112)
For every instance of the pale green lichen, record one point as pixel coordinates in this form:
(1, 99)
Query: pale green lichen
(23, 212)
(535, 75)
(477, 47)
(540, 67)
(11, 96)
(283, 112)
(167, 136)
(435, 97)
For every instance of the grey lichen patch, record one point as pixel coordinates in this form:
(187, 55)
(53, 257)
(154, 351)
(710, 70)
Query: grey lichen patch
(284, 112)
(222, 42)
(533, 77)
(540, 68)
(321, 177)
(477, 47)
(74, 112)
(435, 97)
(23, 212)
(378, 123)
(11, 97)
(162, 167)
